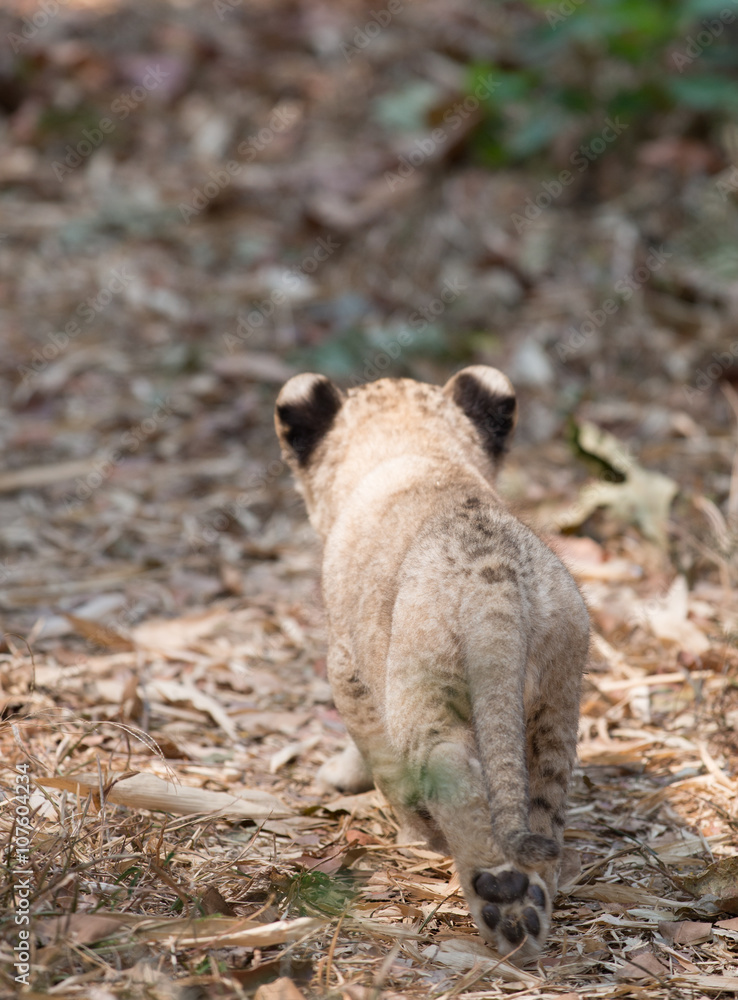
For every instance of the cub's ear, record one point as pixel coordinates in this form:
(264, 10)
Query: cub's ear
(306, 408)
(487, 398)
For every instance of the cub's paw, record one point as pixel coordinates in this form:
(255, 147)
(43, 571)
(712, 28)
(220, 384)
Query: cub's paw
(346, 772)
(512, 909)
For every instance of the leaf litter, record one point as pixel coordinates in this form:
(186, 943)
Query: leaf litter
(163, 666)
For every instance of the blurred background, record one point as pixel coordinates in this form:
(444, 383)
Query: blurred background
(198, 199)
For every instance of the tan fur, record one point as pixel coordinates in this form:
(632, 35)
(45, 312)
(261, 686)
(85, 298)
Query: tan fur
(457, 639)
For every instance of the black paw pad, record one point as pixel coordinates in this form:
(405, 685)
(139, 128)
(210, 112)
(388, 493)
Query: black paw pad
(505, 887)
(512, 930)
(531, 921)
(491, 914)
(538, 896)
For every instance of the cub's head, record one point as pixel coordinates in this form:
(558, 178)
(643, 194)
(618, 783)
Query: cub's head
(330, 440)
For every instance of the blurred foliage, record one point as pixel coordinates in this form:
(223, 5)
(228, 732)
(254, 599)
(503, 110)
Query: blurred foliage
(312, 892)
(370, 350)
(583, 61)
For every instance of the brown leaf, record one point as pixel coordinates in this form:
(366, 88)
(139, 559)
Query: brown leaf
(212, 902)
(228, 932)
(281, 989)
(79, 928)
(100, 635)
(253, 366)
(644, 965)
(147, 791)
(269, 971)
(718, 884)
(685, 931)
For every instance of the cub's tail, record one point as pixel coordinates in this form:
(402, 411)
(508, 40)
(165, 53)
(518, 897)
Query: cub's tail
(496, 679)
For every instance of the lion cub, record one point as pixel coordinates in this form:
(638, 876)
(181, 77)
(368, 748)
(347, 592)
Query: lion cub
(457, 639)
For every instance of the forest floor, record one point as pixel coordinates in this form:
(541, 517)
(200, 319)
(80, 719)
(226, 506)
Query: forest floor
(196, 201)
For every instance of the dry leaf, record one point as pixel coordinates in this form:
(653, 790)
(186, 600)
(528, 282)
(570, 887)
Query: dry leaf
(667, 619)
(253, 366)
(165, 634)
(715, 984)
(290, 752)
(685, 931)
(643, 498)
(178, 693)
(643, 965)
(462, 953)
(146, 791)
(100, 635)
(718, 884)
(212, 902)
(79, 928)
(360, 805)
(231, 932)
(281, 989)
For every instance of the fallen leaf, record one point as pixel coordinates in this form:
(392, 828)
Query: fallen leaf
(290, 752)
(79, 928)
(462, 953)
(178, 693)
(254, 366)
(642, 498)
(685, 931)
(667, 619)
(267, 971)
(643, 965)
(146, 791)
(718, 884)
(281, 989)
(361, 805)
(100, 635)
(213, 902)
(231, 932)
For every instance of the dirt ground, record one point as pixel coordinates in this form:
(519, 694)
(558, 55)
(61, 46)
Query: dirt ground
(196, 201)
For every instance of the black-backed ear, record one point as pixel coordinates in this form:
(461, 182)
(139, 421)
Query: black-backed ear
(306, 408)
(487, 398)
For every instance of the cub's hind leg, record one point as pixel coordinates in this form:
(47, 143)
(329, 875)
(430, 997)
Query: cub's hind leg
(510, 905)
(347, 771)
